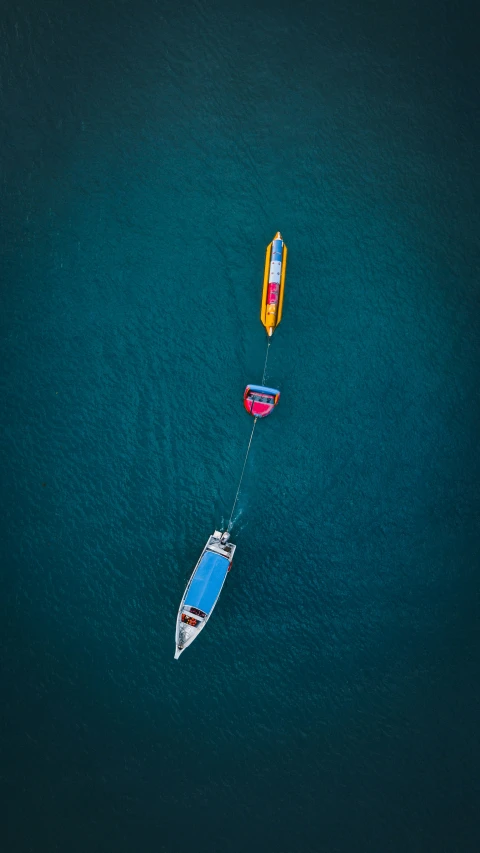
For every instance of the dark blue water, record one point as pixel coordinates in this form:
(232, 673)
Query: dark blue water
(148, 153)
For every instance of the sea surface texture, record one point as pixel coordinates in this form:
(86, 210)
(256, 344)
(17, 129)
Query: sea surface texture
(149, 151)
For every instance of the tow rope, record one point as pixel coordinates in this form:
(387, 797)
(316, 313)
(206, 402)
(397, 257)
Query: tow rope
(241, 477)
(266, 359)
(230, 523)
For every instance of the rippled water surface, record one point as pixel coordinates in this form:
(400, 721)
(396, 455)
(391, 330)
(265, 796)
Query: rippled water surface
(148, 154)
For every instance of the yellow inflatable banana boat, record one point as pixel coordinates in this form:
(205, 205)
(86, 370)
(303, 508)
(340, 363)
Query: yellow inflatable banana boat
(274, 284)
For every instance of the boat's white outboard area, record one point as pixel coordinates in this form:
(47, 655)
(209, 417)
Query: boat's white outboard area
(203, 589)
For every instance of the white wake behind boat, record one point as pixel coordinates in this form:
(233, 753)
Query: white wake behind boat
(203, 589)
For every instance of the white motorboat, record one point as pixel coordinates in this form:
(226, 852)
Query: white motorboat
(203, 589)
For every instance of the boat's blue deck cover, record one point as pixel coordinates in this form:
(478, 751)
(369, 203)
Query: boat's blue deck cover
(263, 389)
(207, 581)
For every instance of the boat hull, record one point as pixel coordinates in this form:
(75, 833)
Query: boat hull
(260, 401)
(203, 590)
